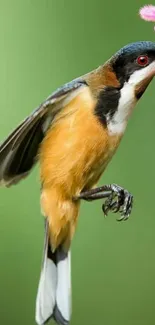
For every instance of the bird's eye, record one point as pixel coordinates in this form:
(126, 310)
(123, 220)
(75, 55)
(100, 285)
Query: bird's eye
(142, 60)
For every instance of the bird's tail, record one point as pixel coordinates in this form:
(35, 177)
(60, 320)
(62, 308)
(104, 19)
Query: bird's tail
(54, 291)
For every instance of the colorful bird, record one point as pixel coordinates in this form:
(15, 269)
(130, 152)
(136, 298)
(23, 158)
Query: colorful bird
(73, 135)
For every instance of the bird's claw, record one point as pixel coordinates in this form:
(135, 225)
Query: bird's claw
(117, 199)
(120, 200)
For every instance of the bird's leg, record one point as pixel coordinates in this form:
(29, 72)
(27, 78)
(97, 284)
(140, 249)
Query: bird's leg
(117, 199)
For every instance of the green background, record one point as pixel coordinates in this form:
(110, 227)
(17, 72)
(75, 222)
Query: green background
(44, 44)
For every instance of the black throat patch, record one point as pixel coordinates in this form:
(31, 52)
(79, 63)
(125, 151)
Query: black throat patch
(107, 104)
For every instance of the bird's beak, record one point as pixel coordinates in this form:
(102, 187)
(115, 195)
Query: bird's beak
(143, 84)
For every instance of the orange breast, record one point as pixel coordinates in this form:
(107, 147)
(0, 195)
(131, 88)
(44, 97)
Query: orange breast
(77, 147)
(73, 155)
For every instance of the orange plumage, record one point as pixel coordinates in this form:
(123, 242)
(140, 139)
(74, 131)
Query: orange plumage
(73, 155)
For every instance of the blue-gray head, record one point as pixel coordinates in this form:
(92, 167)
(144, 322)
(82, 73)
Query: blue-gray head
(130, 71)
(135, 63)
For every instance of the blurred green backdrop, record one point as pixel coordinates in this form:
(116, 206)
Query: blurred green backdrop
(43, 45)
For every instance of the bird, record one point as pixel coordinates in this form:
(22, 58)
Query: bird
(73, 135)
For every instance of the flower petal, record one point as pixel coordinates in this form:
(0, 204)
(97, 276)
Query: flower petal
(147, 13)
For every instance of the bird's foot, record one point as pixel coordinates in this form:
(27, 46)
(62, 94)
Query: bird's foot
(117, 199)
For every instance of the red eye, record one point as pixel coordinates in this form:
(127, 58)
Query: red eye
(142, 60)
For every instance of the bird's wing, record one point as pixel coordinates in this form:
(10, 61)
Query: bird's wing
(18, 152)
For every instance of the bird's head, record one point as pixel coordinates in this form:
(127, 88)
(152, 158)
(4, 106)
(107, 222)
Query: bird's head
(134, 64)
(125, 78)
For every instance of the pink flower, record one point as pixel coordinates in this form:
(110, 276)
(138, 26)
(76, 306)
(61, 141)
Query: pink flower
(147, 13)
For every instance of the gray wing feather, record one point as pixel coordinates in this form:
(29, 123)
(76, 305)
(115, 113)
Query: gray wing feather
(18, 152)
